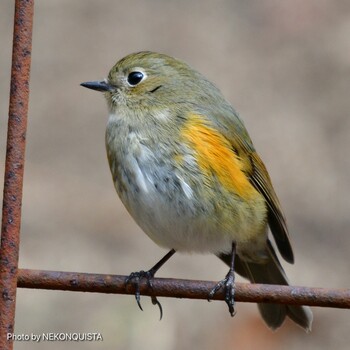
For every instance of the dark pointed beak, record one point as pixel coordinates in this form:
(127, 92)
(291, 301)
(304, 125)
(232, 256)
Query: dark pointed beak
(98, 86)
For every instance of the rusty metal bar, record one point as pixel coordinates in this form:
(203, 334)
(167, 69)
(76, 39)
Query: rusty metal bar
(176, 288)
(13, 179)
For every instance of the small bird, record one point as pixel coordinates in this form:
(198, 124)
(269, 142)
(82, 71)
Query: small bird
(186, 169)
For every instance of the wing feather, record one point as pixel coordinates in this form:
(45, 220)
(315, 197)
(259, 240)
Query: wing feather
(234, 130)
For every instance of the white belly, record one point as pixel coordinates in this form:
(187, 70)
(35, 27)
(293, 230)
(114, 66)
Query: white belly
(176, 208)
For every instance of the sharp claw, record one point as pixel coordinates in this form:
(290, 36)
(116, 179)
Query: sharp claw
(139, 303)
(229, 299)
(232, 311)
(156, 302)
(137, 296)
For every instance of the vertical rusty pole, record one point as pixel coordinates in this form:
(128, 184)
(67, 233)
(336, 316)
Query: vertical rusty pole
(13, 180)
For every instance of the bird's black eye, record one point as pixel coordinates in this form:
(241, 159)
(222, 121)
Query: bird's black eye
(134, 78)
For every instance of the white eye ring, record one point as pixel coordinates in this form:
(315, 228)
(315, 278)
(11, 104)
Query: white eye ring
(135, 77)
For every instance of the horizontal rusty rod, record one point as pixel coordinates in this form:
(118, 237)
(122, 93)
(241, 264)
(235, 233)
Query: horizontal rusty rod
(14, 165)
(179, 288)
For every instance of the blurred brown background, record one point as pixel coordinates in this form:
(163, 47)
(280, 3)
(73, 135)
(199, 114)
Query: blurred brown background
(285, 66)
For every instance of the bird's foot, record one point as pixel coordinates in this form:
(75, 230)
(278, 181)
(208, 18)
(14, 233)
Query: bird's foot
(228, 283)
(135, 278)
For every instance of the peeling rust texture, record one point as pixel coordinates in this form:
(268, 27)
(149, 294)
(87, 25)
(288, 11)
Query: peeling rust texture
(176, 288)
(13, 179)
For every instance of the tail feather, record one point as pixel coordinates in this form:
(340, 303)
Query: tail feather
(272, 272)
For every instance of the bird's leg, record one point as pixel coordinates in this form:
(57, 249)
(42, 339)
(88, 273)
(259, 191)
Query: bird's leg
(135, 278)
(228, 283)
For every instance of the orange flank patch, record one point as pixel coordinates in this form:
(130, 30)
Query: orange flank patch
(215, 156)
